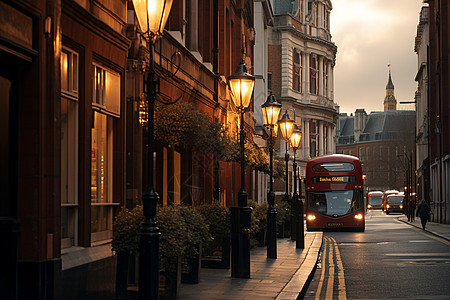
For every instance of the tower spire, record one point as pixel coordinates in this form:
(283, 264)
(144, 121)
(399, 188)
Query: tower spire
(390, 103)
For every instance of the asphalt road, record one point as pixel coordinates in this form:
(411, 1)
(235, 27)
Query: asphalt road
(389, 260)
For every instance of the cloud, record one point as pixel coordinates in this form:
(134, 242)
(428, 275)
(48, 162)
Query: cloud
(371, 34)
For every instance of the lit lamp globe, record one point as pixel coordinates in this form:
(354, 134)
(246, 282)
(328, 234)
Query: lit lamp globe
(296, 138)
(152, 16)
(286, 126)
(241, 86)
(271, 110)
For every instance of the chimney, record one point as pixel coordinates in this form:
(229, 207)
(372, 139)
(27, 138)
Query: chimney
(360, 122)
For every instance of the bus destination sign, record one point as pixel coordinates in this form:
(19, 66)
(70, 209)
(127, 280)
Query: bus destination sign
(333, 179)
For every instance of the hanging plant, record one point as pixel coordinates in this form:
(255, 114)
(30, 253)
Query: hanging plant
(183, 126)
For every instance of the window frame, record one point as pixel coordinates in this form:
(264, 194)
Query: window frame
(69, 147)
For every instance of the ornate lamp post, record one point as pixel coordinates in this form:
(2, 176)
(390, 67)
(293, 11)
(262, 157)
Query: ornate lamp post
(271, 109)
(152, 16)
(297, 206)
(286, 127)
(241, 86)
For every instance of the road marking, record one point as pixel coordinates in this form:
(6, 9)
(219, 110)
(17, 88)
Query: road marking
(322, 276)
(439, 239)
(330, 281)
(341, 277)
(331, 254)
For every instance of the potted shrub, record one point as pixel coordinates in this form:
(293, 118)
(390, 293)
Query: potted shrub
(172, 248)
(259, 224)
(283, 218)
(216, 252)
(197, 234)
(125, 242)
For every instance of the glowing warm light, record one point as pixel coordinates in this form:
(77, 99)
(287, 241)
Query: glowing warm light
(311, 217)
(286, 126)
(241, 86)
(296, 138)
(152, 15)
(401, 206)
(369, 206)
(271, 109)
(359, 216)
(387, 205)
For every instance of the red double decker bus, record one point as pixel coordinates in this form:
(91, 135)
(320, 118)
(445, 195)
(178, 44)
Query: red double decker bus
(334, 193)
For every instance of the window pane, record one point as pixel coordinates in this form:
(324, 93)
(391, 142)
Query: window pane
(101, 218)
(64, 71)
(99, 159)
(112, 92)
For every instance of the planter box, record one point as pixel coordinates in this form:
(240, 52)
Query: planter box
(222, 262)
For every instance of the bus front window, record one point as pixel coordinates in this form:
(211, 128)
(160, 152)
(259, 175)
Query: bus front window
(335, 202)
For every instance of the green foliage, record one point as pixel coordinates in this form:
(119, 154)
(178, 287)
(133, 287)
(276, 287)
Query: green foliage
(183, 126)
(197, 231)
(172, 242)
(218, 219)
(283, 212)
(259, 222)
(127, 225)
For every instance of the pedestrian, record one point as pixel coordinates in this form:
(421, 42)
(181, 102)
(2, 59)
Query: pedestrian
(423, 211)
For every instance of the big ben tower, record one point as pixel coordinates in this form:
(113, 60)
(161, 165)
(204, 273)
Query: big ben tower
(390, 103)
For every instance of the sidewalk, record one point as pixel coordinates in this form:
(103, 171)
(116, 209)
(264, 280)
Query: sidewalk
(281, 278)
(441, 230)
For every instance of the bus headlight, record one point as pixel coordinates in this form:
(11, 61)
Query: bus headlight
(311, 217)
(359, 216)
(401, 206)
(369, 206)
(387, 205)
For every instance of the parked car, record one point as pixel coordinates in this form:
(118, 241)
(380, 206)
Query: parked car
(394, 203)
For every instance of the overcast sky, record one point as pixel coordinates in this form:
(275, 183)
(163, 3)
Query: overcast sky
(370, 34)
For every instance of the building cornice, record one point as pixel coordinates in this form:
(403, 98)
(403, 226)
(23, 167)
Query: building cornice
(307, 37)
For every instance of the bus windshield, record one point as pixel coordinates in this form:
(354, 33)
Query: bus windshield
(335, 203)
(375, 200)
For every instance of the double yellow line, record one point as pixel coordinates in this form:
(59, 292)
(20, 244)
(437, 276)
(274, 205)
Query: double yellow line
(331, 260)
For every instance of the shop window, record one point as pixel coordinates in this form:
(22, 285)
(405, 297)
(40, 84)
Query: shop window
(69, 148)
(101, 177)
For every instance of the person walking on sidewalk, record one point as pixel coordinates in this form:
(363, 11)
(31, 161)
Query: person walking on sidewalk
(423, 211)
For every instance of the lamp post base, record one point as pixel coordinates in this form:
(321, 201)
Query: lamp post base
(240, 241)
(271, 232)
(300, 230)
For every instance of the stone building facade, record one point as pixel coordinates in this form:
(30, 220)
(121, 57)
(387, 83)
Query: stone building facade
(300, 76)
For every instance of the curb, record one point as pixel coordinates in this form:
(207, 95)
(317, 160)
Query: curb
(426, 230)
(297, 286)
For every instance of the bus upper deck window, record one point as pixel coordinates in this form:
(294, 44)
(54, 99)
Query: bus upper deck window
(333, 167)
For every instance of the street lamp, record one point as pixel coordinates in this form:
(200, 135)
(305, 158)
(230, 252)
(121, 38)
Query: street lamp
(271, 109)
(287, 127)
(241, 86)
(152, 16)
(297, 206)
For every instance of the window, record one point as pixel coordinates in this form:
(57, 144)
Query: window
(69, 148)
(106, 93)
(313, 74)
(325, 78)
(361, 153)
(101, 177)
(106, 106)
(269, 82)
(297, 71)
